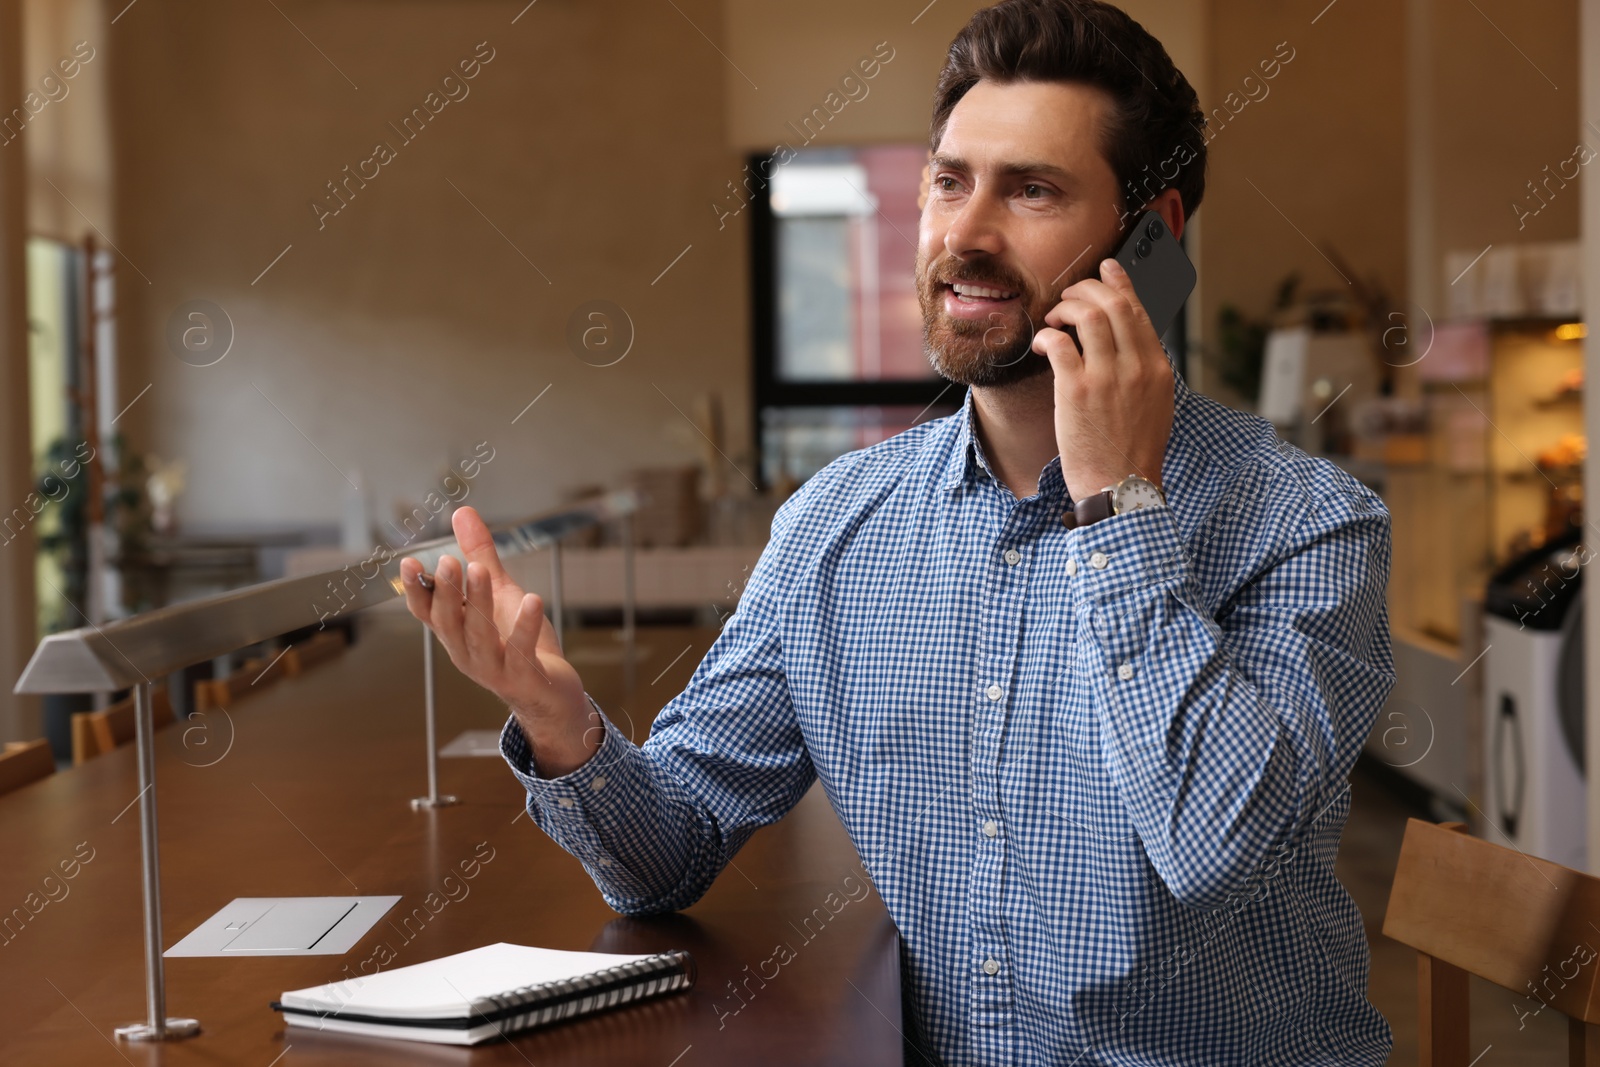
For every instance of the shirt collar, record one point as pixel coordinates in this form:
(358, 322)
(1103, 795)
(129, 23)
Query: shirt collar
(961, 455)
(967, 461)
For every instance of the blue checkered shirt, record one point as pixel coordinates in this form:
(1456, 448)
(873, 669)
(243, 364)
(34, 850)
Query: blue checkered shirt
(1098, 776)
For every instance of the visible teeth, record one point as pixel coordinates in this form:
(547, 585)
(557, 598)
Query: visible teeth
(963, 289)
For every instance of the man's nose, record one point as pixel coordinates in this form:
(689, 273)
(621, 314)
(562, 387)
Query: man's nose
(975, 230)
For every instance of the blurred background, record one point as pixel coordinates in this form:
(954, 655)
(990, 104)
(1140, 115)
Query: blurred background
(284, 280)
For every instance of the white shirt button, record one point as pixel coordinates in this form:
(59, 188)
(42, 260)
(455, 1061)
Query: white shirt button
(994, 692)
(1125, 671)
(1098, 561)
(1072, 567)
(599, 783)
(605, 861)
(990, 828)
(565, 802)
(991, 966)
(1013, 557)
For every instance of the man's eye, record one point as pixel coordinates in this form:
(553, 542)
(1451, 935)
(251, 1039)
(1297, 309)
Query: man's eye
(945, 183)
(1033, 192)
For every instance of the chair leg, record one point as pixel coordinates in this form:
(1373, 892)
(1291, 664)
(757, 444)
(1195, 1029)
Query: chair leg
(1583, 1044)
(1442, 1029)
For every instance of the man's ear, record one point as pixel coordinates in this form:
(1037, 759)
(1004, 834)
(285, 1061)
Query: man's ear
(1169, 202)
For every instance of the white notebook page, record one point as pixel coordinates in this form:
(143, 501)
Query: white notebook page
(450, 986)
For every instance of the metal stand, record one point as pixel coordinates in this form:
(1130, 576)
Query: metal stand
(629, 638)
(158, 1026)
(557, 614)
(433, 799)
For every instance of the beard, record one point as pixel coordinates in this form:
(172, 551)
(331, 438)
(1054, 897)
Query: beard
(997, 350)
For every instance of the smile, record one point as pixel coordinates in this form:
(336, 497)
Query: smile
(969, 293)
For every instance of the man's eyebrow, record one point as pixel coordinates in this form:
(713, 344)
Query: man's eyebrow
(1009, 169)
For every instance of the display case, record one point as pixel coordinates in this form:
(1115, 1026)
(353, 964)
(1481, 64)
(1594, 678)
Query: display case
(1482, 462)
(1497, 471)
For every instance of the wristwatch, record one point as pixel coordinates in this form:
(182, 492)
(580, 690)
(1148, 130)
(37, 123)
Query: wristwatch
(1130, 494)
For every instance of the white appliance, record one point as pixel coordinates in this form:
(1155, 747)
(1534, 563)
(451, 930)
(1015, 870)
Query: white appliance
(1534, 793)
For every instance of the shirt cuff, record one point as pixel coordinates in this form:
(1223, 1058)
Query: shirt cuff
(1127, 571)
(1126, 552)
(588, 807)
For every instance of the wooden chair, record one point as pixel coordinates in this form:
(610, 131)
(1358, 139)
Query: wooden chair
(1469, 906)
(304, 655)
(212, 693)
(98, 732)
(258, 673)
(23, 762)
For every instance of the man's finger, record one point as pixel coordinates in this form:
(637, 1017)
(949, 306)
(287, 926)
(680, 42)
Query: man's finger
(527, 634)
(446, 608)
(1115, 277)
(1063, 355)
(477, 545)
(1097, 341)
(548, 642)
(477, 619)
(1117, 297)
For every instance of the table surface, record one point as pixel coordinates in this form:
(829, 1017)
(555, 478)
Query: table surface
(303, 789)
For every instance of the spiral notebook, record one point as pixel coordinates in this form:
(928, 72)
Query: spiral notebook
(489, 992)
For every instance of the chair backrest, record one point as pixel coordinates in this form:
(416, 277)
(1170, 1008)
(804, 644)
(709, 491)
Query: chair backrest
(1469, 906)
(98, 732)
(223, 692)
(254, 675)
(23, 762)
(303, 655)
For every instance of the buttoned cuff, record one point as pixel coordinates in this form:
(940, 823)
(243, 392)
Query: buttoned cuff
(1124, 553)
(586, 811)
(517, 752)
(1130, 573)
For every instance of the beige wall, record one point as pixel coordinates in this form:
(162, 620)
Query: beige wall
(796, 53)
(409, 328)
(1319, 159)
(1474, 142)
(1503, 112)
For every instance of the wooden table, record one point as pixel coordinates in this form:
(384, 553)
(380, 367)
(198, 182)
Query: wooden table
(309, 796)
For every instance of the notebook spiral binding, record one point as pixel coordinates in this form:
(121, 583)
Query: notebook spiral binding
(551, 1002)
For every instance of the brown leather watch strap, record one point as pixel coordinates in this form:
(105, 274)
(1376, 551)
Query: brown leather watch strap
(1090, 509)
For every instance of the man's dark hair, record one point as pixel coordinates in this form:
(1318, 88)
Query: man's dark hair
(1156, 138)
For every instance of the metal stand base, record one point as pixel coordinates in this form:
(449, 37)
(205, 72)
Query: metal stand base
(175, 1030)
(433, 799)
(155, 973)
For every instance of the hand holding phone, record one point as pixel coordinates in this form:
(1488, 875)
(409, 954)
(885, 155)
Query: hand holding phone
(1113, 383)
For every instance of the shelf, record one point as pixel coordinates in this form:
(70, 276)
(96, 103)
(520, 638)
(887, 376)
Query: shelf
(1562, 399)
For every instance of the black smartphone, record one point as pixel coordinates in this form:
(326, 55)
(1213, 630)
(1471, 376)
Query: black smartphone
(1161, 272)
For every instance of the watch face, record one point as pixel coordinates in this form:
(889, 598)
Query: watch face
(1134, 492)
